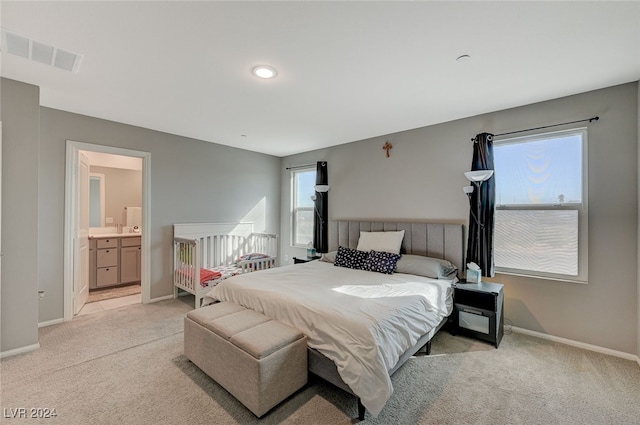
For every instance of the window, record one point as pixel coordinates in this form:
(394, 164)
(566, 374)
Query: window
(302, 189)
(541, 205)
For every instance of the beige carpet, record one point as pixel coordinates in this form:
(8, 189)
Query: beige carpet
(110, 293)
(126, 366)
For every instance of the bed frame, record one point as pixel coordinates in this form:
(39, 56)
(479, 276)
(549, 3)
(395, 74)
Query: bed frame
(443, 241)
(199, 246)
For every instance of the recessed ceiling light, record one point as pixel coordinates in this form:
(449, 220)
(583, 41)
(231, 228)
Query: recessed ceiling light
(264, 71)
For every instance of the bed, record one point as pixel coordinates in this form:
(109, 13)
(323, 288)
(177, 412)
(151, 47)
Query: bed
(205, 254)
(361, 325)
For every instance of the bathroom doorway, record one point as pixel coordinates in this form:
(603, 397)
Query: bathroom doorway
(116, 265)
(115, 231)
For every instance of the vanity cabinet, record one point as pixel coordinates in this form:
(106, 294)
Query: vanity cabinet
(130, 259)
(114, 261)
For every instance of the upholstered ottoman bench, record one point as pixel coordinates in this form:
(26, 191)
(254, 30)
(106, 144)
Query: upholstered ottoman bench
(258, 360)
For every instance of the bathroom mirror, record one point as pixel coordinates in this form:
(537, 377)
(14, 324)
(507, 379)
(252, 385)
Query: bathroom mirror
(96, 200)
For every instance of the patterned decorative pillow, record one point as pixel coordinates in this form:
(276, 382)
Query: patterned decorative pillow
(381, 262)
(350, 258)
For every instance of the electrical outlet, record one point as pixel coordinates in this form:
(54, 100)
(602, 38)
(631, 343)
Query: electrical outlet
(108, 220)
(286, 258)
(40, 294)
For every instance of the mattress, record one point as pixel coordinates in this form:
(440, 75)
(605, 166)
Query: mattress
(363, 321)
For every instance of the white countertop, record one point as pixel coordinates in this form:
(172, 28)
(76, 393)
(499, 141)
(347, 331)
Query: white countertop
(114, 235)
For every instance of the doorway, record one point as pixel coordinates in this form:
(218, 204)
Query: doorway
(73, 262)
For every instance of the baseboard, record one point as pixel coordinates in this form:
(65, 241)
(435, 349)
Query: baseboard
(21, 350)
(50, 322)
(166, 297)
(597, 349)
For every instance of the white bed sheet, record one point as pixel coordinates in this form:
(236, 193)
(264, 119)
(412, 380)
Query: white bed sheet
(362, 321)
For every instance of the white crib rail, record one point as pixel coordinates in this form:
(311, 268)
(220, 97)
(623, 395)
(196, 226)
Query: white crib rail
(186, 264)
(264, 243)
(194, 252)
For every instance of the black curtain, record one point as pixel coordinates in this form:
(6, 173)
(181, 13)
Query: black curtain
(482, 160)
(321, 217)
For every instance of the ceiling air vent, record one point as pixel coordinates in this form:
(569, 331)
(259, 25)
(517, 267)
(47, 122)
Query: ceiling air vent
(20, 45)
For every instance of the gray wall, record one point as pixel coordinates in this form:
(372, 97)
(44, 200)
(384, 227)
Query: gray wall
(423, 180)
(123, 188)
(191, 181)
(20, 250)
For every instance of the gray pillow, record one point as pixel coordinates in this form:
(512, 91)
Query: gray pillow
(434, 268)
(329, 257)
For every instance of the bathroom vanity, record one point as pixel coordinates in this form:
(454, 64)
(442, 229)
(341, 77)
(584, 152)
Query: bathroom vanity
(114, 259)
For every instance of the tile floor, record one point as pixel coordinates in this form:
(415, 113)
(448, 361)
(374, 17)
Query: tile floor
(110, 304)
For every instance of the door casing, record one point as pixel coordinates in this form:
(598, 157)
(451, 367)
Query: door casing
(72, 149)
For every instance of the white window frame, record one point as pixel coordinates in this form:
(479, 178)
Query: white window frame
(294, 208)
(582, 209)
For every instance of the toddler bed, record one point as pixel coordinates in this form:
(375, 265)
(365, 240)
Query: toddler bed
(204, 254)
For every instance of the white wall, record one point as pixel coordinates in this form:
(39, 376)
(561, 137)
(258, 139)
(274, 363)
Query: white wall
(423, 180)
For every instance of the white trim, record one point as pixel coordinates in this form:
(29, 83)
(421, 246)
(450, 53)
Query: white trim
(164, 298)
(21, 350)
(51, 322)
(293, 224)
(72, 151)
(578, 344)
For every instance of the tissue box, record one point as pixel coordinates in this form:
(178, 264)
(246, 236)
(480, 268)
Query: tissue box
(473, 276)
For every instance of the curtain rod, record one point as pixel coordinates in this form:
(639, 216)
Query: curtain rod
(299, 166)
(295, 167)
(596, 118)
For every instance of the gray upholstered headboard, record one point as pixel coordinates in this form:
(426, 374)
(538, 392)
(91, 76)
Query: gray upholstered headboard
(427, 239)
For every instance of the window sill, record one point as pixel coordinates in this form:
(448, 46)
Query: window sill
(531, 276)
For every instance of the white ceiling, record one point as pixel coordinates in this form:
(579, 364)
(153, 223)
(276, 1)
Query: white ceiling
(347, 70)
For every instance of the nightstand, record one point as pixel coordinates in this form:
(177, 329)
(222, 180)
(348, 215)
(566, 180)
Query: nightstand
(298, 260)
(477, 311)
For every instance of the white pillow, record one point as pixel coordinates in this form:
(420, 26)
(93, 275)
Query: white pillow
(381, 241)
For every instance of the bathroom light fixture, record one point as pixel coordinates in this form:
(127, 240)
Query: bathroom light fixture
(264, 71)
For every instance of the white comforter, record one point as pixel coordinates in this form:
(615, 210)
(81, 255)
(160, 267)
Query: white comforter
(362, 321)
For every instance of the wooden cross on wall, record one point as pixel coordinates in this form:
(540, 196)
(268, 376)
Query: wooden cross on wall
(387, 146)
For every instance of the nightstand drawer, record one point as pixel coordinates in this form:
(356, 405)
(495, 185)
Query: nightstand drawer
(476, 320)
